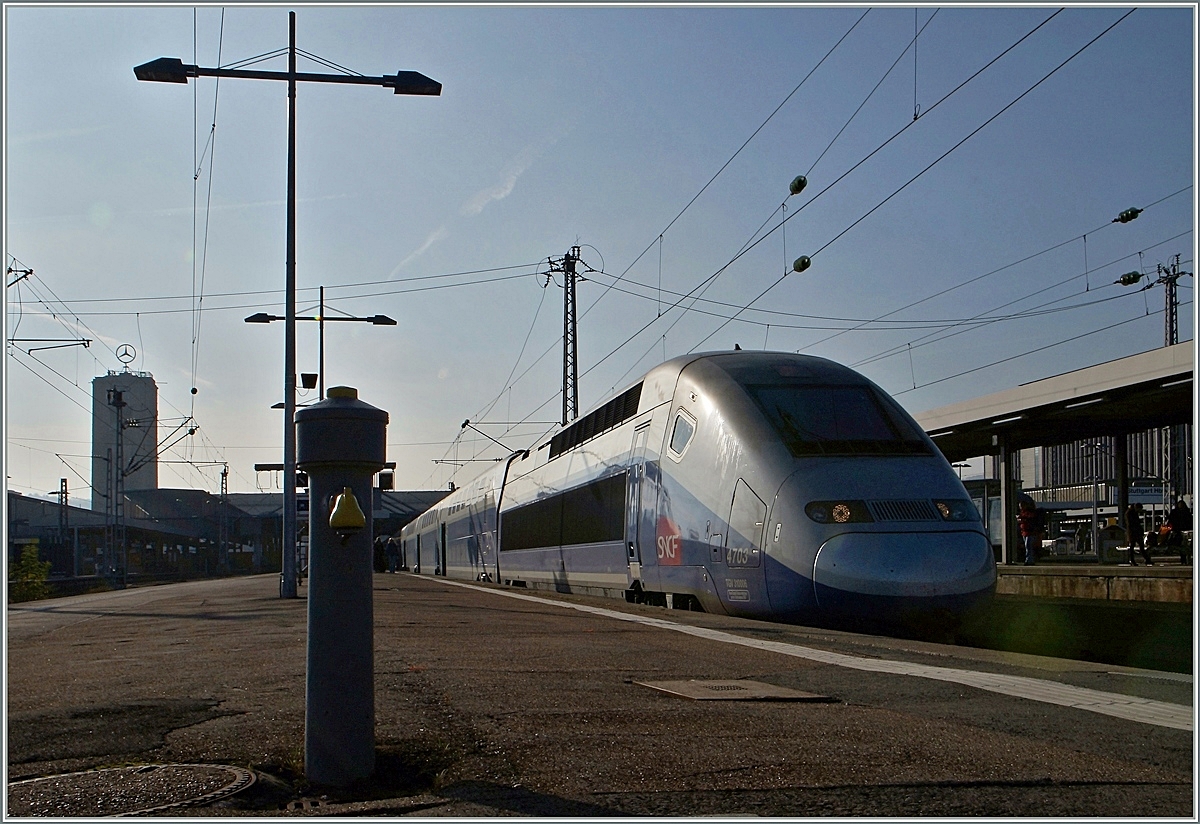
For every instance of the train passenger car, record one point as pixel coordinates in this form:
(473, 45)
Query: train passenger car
(767, 485)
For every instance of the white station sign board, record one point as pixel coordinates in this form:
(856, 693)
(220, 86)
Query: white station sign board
(1146, 494)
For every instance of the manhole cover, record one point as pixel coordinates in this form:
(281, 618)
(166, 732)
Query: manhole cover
(731, 691)
(125, 790)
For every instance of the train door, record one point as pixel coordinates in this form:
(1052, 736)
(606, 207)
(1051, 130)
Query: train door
(416, 568)
(635, 537)
(441, 566)
(743, 577)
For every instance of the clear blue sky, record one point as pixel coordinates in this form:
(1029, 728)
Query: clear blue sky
(565, 126)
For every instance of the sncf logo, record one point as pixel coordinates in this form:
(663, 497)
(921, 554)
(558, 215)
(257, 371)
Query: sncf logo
(668, 543)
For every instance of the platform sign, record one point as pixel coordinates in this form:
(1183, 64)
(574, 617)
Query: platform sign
(1146, 494)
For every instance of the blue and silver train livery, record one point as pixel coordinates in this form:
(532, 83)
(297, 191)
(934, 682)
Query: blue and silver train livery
(760, 484)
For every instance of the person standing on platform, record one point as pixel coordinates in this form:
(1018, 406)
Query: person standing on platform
(1136, 534)
(393, 554)
(1179, 519)
(1029, 520)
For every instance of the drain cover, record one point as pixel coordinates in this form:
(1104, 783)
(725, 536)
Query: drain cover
(125, 790)
(731, 691)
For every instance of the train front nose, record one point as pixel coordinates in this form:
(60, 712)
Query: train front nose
(891, 576)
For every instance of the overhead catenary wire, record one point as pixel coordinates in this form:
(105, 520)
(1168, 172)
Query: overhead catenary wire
(52, 304)
(732, 157)
(959, 285)
(201, 259)
(162, 446)
(313, 289)
(701, 302)
(900, 325)
(1009, 358)
(939, 159)
(983, 318)
(974, 132)
(949, 94)
(777, 313)
(507, 381)
(913, 45)
(1026, 259)
(750, 245)
(51, 385)
(699, 193)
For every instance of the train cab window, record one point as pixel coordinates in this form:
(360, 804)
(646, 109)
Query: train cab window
(682, 432)
(838, 420)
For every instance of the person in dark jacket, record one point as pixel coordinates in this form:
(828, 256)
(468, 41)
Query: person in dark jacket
(1179, 519)
(1029, 520)
(1136, 534)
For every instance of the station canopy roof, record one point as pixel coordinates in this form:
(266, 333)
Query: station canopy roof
(1132, 394)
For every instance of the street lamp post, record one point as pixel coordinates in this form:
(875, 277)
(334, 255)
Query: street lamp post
(1095, 447)
(174, 70)
(320, 318)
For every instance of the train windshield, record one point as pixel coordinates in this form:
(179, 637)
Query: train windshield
(837, 420)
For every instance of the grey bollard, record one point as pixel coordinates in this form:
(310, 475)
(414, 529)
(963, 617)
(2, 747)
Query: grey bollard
(340, 444)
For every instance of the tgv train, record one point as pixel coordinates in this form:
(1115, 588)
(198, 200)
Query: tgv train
(759, 484)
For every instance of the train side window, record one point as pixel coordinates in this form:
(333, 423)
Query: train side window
(681, 434)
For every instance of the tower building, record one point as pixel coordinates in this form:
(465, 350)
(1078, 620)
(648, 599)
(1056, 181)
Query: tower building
(132, 398)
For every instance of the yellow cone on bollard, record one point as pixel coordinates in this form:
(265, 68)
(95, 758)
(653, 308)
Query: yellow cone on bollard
(347, 515)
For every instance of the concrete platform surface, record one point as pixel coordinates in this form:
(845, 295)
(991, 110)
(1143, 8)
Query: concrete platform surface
(1166, 581)
(492, 701)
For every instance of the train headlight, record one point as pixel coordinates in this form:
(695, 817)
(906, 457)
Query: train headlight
(838, 512)
(957, 509)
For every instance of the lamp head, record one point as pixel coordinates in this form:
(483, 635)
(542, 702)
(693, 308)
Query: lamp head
(162, 70)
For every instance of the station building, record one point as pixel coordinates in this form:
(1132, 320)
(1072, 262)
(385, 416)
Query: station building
(176, 534)
(1083, 445)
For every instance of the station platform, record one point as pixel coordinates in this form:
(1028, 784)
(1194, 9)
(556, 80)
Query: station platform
(1164, 582)
(498, 701)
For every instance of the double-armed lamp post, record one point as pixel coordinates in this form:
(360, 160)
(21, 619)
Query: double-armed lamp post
(174, 70)
(320, 318)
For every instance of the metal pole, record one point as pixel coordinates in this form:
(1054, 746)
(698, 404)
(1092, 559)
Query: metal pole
(1176, 450)
(118, 401)
(570, 406)
(287, 586)
(1008, 502)
(574, 339)
(1095, 506)
(110, 529)
(321, 361)
(173, 70)
(1169, 279)
(223, 546)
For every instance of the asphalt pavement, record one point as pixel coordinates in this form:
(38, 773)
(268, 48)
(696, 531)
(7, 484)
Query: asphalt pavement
(492, 701)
